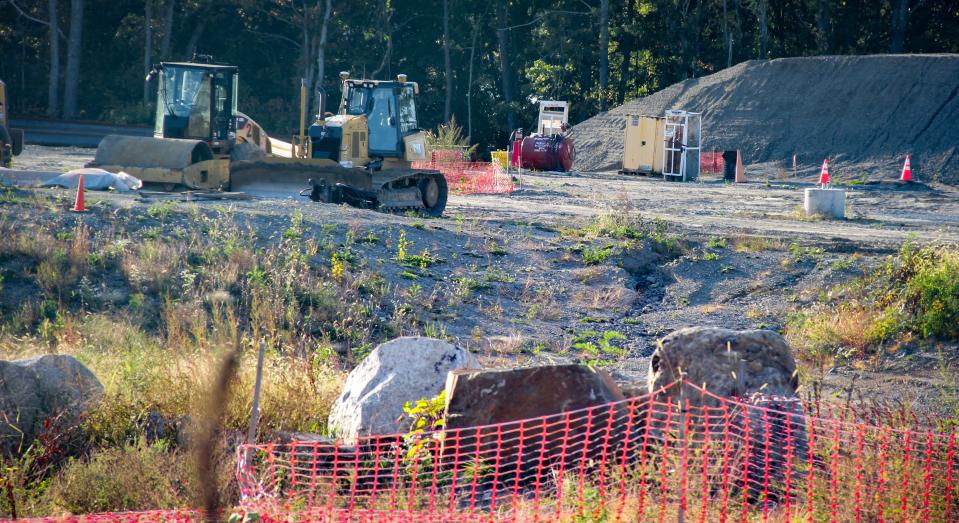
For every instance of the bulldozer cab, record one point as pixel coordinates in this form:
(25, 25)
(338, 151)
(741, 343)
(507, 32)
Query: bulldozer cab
(196, 101)
(390, 111)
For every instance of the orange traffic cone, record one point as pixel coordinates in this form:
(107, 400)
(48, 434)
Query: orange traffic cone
(906, 171)
(78, 204)
(824, 174)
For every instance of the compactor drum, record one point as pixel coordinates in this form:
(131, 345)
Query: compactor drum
(360, 156)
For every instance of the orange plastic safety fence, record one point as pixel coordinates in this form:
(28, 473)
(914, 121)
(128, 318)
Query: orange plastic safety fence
(652, 457)
(711, 162)
(464, 177)
(680, 453)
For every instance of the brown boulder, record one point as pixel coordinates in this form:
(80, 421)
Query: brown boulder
(729, 363)
(485, 410)
(485, 397)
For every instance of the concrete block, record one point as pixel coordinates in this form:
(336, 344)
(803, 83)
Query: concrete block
(830, 203)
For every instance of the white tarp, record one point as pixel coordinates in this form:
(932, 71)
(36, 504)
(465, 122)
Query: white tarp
(96, 180)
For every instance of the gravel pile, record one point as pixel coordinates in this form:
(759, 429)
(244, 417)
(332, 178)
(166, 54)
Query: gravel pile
(863, 112)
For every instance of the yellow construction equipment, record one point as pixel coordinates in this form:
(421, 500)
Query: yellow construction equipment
(360, 156)
(11, 140)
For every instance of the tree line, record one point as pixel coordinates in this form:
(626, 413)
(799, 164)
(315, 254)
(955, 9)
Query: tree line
(483, 63)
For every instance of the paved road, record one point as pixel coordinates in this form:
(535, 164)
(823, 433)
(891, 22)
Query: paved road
(72, 133)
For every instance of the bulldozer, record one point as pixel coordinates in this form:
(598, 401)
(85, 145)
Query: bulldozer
(11, 140)
(361, 156)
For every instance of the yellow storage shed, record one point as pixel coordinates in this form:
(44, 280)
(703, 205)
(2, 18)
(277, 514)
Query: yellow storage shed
(643, 144)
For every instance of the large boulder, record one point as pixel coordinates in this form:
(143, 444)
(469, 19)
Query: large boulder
(491, 418)
(486, 397)
(50, 391)
(398, 371)
(729, 363)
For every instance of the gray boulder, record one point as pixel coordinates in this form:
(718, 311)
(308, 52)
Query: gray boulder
(398, 371)
(730, 363)
(52, 387)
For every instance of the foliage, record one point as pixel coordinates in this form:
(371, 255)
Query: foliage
(597, 255)
(131, 477)
(425, 416)
(717, 242)
(554, 50)
(449, 136)
(599, 347)
(913, 294)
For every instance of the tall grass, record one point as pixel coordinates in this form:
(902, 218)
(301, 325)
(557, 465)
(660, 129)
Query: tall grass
(913, 295)
(152, 312)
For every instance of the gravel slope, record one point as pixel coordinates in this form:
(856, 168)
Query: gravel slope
(864, 112)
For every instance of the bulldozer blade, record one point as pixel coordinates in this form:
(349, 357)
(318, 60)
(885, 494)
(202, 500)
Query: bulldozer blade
(394, 189)
(284, 177)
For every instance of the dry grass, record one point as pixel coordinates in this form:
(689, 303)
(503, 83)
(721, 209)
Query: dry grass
(710, 308)
(605, 298)
(756, 244)
(911, 296)
(590, 275)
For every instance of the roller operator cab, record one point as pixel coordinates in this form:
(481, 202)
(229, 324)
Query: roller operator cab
(376, 124)
(197, 101)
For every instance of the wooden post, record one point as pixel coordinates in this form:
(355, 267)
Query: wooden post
(255, 411)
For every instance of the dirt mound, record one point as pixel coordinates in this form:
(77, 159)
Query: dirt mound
(863, 112)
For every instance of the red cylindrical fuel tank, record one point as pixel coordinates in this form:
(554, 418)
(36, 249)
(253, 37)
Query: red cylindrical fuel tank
(517, 149)
(548, 153)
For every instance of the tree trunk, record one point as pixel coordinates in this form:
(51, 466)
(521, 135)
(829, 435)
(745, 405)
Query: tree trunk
(195, 36)
(680, 27)
(319, 103)
(147, 48)
(900, 19)
(506, 72)
(603, 52)
(697, 41)
(625, 46)
(74, 49)
(727, 38)
(824, 24)
(738, 34)
(167, 30)
(469, 84)
(53, 89)
(763, 6)
(388, 33)
(447, 109)
(306, 55)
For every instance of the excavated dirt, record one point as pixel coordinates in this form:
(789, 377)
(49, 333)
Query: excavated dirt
(863, 112)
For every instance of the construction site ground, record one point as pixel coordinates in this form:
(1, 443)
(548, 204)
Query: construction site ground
(516, 287)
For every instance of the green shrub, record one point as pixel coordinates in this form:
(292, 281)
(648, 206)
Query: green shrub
(595, 256)
(932, 290)
(913, 294)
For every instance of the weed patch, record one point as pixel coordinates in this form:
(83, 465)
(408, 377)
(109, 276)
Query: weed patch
(914, 294)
